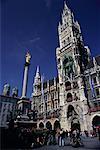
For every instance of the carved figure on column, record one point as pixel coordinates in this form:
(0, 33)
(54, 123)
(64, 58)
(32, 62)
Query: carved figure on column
(28, 58)
(68, 65)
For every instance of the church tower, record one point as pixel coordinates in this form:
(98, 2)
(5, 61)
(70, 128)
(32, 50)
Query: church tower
(72, 58)
(37, 83)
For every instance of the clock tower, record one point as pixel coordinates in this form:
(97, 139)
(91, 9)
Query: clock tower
(72, 58)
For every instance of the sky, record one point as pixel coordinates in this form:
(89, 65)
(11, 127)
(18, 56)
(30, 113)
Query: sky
(31, 25)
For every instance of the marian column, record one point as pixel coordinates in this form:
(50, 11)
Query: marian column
(25, 80)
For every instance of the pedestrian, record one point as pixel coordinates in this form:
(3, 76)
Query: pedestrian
(66, 134)
(99, 132)
(61, 138)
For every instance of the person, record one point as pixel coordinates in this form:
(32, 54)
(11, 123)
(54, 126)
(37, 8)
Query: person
(50, 139)
(38, 143)
(99, 132)
(66, 134)
(86, 133)
(61, 138)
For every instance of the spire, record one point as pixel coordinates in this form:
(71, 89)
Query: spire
(65, 5)
(94, 62)
(37, 81)
(66, 14)
(37, 71)
(37, 76)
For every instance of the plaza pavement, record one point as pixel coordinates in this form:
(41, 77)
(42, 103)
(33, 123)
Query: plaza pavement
(89, 144)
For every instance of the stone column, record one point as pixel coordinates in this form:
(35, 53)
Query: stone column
(25, 80)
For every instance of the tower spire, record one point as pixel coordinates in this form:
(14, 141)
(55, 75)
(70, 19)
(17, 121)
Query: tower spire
(65, 5)
(37, 71)
(37, 81)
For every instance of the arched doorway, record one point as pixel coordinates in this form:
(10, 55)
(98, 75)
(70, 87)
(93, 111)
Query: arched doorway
(75, 124)
(57, 125)
(49, 125)
(72, 117)
(96, 124)
(96, 121)
(41, 125)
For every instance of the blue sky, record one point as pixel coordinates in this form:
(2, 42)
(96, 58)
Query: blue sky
(32, 25)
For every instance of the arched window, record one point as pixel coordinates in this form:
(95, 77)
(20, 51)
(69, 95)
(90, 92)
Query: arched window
(41, 125)
(69, 97)
(67, 85)
(57, 125)
(96, 121)
(49, 125)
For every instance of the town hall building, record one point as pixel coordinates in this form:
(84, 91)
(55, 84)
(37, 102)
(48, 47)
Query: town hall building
(72, 99)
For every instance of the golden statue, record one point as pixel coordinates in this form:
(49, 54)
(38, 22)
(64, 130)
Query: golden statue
(28, 57)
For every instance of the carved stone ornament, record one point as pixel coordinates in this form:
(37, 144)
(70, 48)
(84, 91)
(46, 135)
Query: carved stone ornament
(28, 57)
(68, 65)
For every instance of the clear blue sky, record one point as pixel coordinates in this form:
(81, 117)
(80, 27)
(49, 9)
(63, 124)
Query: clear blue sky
(32, 25)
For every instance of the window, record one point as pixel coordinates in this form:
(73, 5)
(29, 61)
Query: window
(52, 95)
(94, 80)
(68, 86)
(55, 95)
(44, 85)
(68, 39)
(51, 82)
(45, 97)
(64, 42)
(0, 106)
(69, 97)
(75, 85)
(42, 108)
(95, 104)
(97, 92)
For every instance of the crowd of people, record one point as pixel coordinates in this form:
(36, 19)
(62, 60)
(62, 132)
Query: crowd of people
(19, 137)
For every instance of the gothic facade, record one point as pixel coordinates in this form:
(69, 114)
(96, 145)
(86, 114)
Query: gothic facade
(73, 98)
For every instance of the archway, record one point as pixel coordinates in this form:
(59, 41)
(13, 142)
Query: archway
(57, 125)
(96, 121)
(41, 125)
(49, 125)
(72, 117)
(75, 124)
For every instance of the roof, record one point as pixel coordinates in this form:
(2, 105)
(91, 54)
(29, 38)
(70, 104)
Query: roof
(90, 65)
(10, 97)
(97, 58)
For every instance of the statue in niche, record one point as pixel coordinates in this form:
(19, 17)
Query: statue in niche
(71, 113)
(6, 90)
(68, 64)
